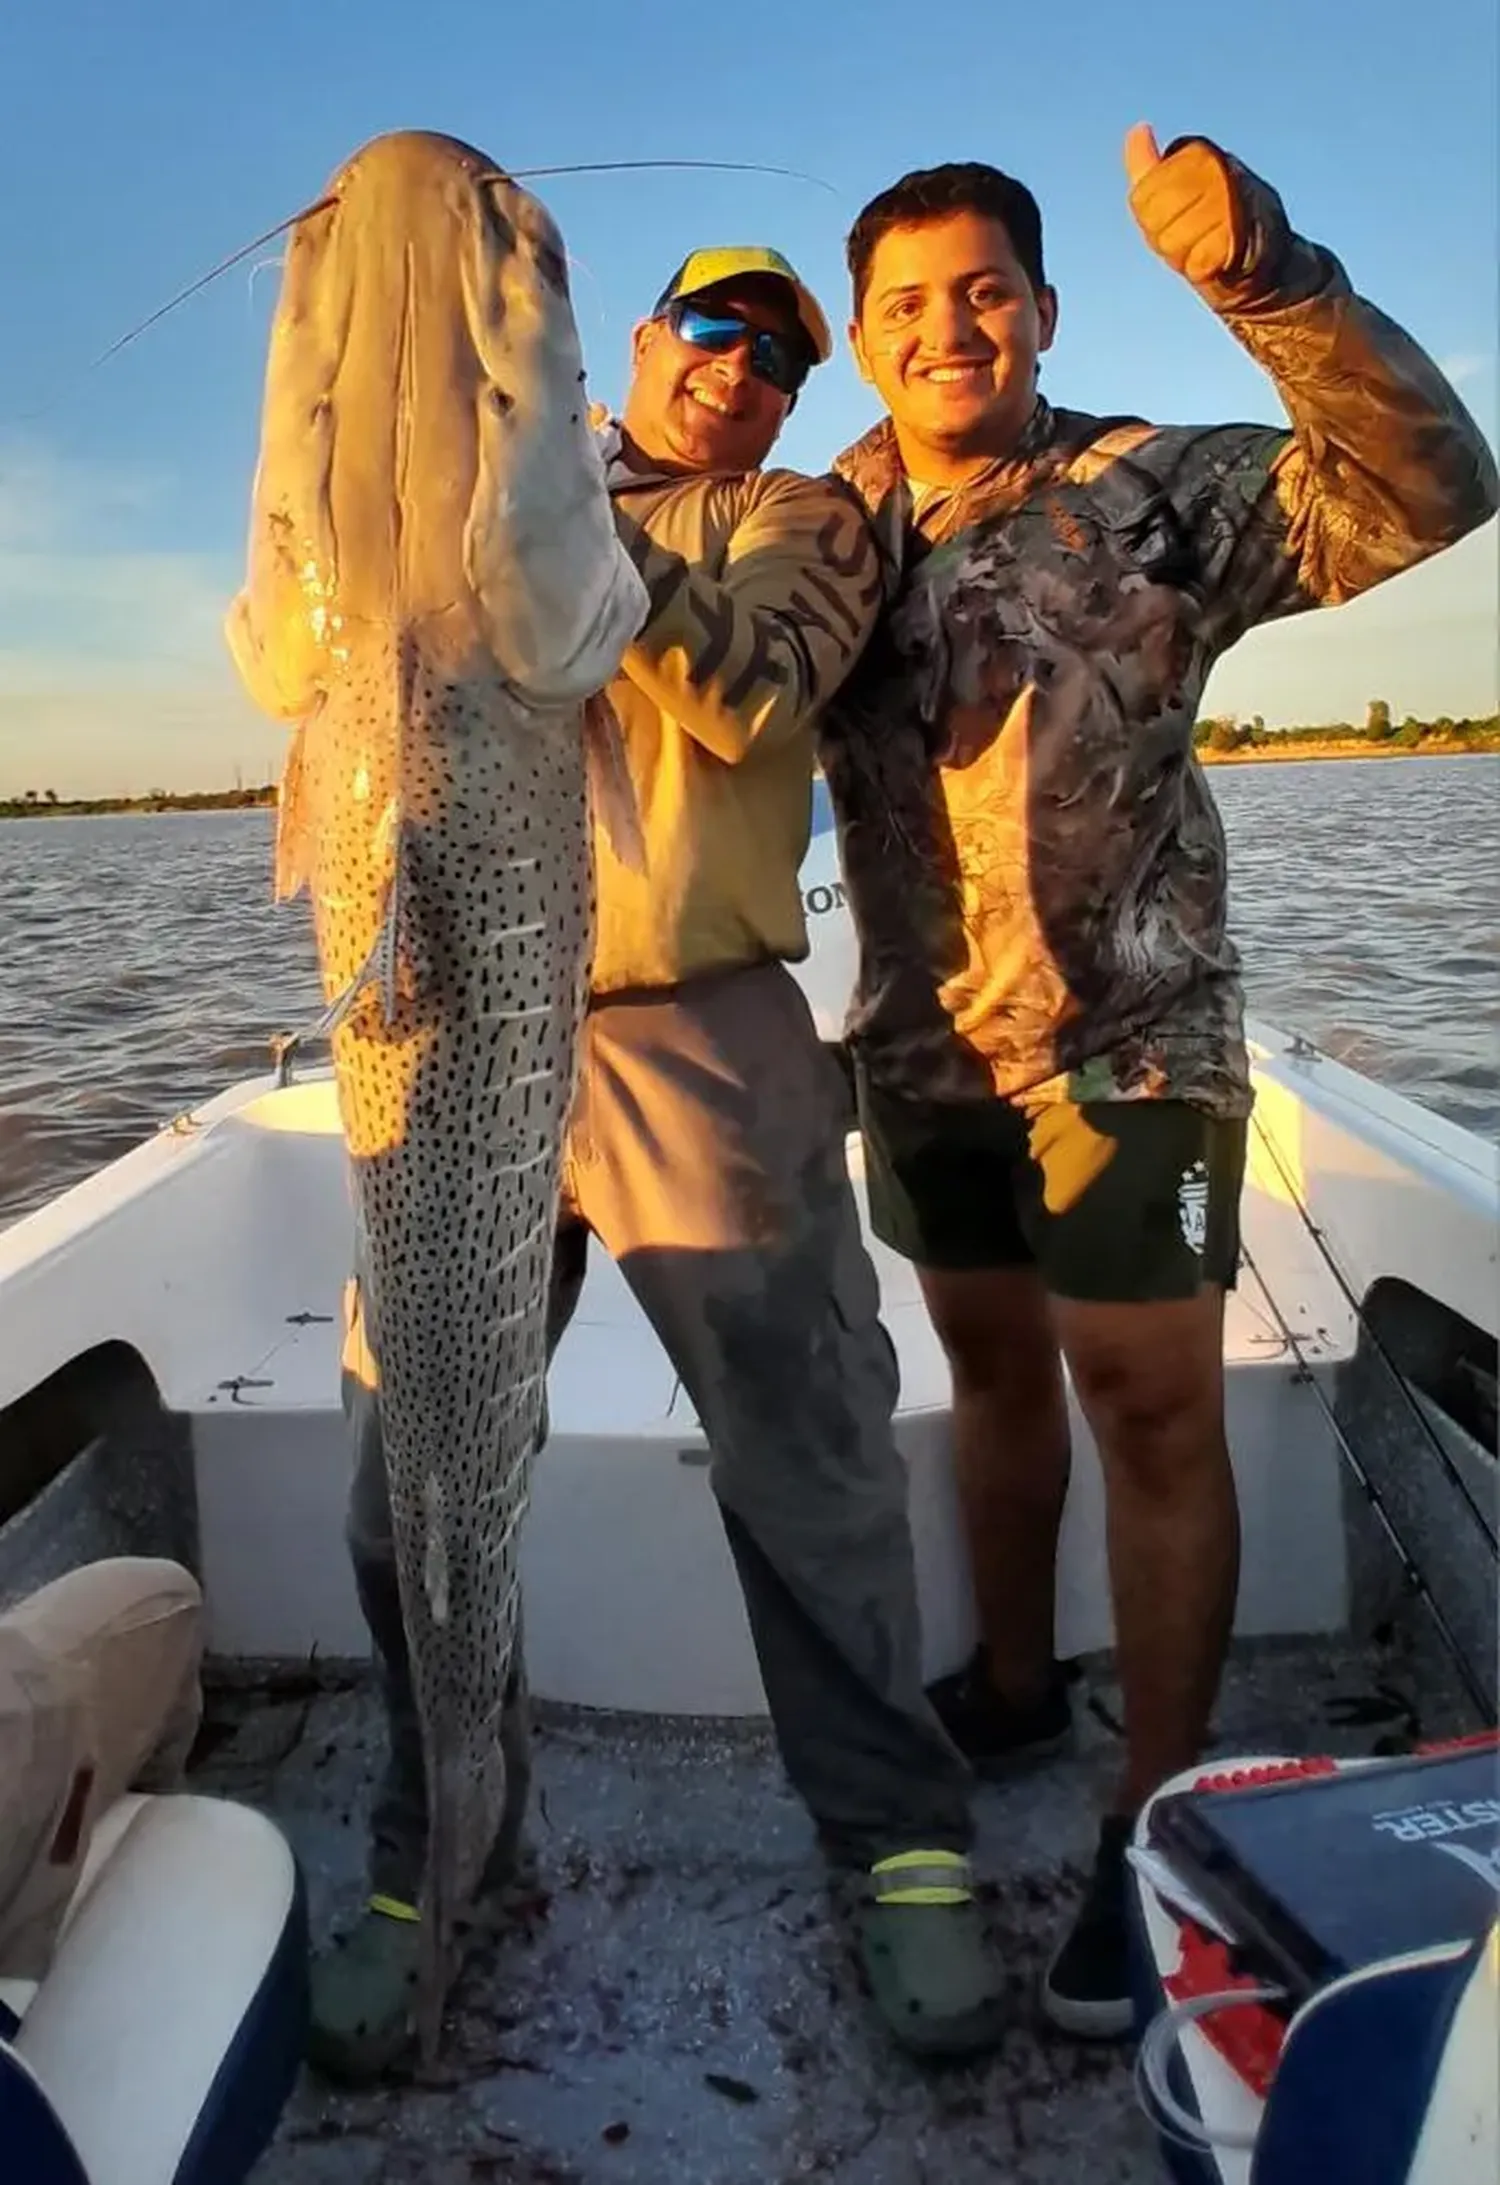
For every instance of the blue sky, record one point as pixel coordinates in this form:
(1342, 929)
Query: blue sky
(139, 145)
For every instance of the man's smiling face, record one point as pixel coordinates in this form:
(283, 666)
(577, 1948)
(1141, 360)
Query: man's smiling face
(701, 410)
(948, 333)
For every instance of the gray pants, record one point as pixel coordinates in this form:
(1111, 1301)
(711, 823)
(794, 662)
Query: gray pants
(706, 1153)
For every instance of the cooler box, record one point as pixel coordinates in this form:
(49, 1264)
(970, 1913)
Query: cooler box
(1368, 1894)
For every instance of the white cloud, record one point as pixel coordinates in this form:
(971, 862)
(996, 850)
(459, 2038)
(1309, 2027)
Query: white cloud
(47, 499)
(1466, 365)
(113, 672)
(123, 744)
(89, 619)
(114, 677)
(1428, 642)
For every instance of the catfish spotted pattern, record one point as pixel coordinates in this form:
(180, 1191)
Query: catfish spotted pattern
(436, 594)
(454, 1113)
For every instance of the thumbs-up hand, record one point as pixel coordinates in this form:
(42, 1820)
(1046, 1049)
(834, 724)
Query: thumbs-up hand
(1186, 204)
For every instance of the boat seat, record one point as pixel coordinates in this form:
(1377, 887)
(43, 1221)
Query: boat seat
(166, 2036)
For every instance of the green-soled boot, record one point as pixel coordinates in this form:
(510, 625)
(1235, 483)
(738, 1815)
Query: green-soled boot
(935, 1979)
(363, 1998)
(363, 1986)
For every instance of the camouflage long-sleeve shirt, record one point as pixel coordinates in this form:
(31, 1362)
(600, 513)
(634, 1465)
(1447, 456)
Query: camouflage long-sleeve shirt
(1034, 860)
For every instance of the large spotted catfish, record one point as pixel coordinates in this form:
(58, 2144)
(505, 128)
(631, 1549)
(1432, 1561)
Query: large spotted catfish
(435, 596)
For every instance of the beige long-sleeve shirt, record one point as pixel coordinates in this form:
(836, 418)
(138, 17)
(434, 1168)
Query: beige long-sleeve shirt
(763, 590)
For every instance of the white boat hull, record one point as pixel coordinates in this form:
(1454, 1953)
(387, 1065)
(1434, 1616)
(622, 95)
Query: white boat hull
(216, 1254)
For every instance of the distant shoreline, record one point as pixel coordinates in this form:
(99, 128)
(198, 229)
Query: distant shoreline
(1357, 748)
(1484, 744)
(201, 800)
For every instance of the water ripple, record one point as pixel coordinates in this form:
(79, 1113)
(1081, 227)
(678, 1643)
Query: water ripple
(143, 964)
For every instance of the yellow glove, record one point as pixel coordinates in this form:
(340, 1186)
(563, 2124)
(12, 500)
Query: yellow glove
(1187, 205)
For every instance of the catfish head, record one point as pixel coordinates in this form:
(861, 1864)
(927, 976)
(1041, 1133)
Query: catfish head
(426, 459)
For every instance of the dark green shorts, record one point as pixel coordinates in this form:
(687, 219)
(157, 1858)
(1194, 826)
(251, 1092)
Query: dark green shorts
(1113, 1201)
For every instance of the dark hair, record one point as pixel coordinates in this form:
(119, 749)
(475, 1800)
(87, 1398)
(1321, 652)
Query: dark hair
(934, 193)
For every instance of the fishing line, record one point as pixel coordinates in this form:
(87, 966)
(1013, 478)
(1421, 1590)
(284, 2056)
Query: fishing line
(1413, 1576)
(640, 166)
(581, 265)
(1429, 1431)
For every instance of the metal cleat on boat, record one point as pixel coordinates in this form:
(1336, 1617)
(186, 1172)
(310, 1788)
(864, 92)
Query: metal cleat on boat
(284, 1046)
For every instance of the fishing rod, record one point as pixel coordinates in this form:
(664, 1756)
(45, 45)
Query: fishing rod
(1377, 1342)
(1413, 1577)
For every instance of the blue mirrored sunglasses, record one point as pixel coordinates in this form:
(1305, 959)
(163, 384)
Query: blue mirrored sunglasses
(779, 359)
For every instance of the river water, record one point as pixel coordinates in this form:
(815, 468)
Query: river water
(142, 964)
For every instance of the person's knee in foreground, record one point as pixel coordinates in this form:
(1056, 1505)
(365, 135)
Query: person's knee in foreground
(1047, 1025)
(707, 1155)
(99, 1695)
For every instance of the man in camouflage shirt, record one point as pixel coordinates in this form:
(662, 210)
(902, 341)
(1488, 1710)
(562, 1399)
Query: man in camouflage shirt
(1047, 1025)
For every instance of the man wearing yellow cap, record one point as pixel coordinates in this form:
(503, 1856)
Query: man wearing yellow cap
(707, 1156)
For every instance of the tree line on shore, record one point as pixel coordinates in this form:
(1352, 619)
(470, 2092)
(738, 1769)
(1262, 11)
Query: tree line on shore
(39, 803)
(1223, 734)
(1217, 737)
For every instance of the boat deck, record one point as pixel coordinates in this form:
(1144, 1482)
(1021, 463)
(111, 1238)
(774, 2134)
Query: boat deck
(669, 2003)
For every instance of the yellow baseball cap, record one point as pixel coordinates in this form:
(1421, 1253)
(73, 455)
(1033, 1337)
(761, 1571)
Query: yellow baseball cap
(707, 268)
